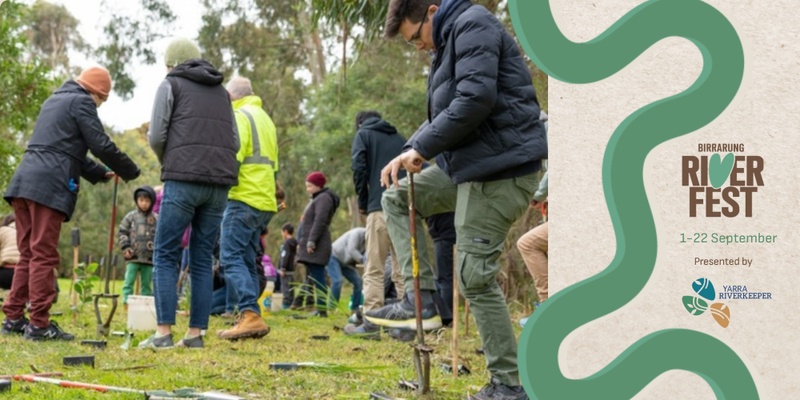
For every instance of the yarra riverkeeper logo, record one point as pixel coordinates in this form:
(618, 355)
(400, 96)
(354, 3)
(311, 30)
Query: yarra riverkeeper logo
(706, 298)
(722, 181)
(698, 305)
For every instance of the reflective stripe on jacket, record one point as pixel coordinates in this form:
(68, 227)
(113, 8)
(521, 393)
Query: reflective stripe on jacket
(257, 156)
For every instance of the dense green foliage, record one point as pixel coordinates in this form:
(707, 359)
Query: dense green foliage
(26, 83)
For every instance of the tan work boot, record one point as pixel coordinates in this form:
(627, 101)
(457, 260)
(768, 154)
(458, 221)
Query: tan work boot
(250, 325)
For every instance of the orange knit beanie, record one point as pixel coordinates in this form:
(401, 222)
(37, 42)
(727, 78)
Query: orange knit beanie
(97, 81)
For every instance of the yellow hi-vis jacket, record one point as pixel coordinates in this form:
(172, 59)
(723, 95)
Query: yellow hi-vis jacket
(257, 156)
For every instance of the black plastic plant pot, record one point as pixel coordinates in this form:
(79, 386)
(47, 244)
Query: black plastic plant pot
(79, 360)
(98, 344)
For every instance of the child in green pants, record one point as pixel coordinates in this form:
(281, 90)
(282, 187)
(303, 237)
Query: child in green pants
(137, 233)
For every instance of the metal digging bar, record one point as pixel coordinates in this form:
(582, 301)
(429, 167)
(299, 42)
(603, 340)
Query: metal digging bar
(151, 395)
(104, 327)
(80, 385)
(76, 244)
(422, 353)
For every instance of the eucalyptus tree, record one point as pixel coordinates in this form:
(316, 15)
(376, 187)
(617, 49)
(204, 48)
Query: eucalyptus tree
(26, 84)
(53, 32)
(128, 40)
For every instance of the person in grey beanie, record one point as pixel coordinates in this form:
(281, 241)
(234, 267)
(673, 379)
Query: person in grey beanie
(194, 135)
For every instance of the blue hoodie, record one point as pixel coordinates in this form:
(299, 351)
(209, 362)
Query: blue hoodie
(446, 8)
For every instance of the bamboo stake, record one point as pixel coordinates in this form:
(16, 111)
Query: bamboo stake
(454, 363)
(422, 361)
(466, 317)
(76, 243)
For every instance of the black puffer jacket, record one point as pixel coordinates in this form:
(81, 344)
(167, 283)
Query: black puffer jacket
(315, 227)
(54, 161)
(482, 107)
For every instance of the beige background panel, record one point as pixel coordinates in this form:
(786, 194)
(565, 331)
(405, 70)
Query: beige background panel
(764, 116)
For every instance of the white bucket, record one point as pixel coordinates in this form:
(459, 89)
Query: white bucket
(141, 313)
(277, 302)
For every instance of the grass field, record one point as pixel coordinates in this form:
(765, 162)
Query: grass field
(357, 367)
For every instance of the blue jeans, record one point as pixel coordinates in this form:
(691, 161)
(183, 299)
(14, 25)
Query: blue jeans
(336, 270)
(317, 274)
(231, 298)
(218, 301)
(184, 265)
(241, 234)
(184, 204)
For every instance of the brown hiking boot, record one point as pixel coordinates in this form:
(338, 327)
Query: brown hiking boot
(250, 325)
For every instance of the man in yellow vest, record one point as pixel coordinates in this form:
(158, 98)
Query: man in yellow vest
(251, 205)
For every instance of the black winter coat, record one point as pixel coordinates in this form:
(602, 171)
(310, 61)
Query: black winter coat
(54, 161)
(482, 109)
(315, 228)
(375, 144)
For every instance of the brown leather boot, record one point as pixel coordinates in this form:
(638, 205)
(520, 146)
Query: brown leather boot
(249, 326)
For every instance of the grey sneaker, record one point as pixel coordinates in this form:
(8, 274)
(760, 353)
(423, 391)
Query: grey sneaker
(164, 342)
(403, 335)
(14, 327)
(50, 332)
(191, 343)
(363, 331)
(498, 391)
(401, 315)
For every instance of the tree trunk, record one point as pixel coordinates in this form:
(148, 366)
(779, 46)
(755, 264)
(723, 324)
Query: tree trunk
(313, 44)
(345, 30)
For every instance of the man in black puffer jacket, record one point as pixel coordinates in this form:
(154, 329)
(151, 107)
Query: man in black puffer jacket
(194, 135)
(483, 129)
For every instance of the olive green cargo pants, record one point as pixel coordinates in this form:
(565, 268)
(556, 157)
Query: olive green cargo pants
(484, 213)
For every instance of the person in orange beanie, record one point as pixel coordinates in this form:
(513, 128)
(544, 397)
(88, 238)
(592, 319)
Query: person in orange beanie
(96, 81)
(44, 189)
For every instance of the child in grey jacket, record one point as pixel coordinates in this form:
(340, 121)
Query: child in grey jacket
(137, 231)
